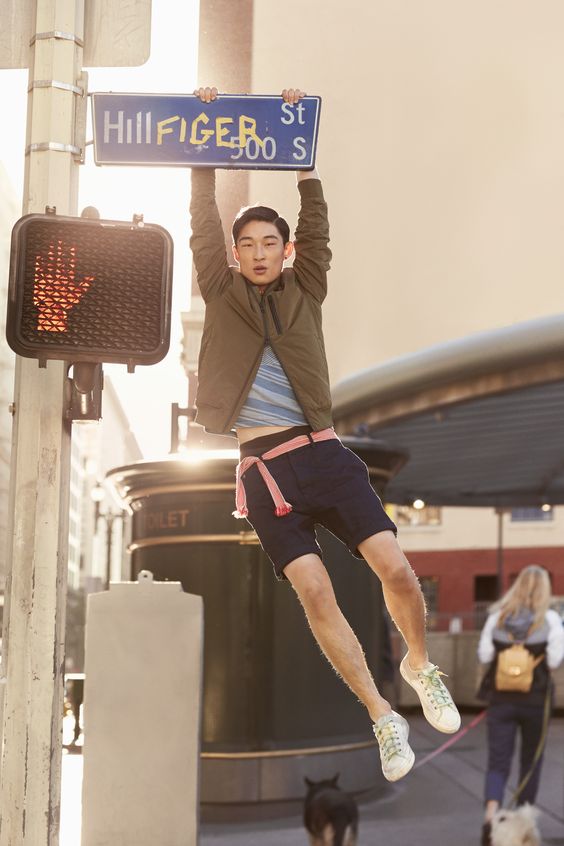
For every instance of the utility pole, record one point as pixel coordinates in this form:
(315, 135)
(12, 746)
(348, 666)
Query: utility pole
(500, 575)
(33, 663)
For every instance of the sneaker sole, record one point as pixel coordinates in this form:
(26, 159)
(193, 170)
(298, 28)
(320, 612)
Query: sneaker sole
(405, 769)
(429, 715)
(400, 773)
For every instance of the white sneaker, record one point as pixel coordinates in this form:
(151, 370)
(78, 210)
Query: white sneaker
(396, 754)
(438, 707)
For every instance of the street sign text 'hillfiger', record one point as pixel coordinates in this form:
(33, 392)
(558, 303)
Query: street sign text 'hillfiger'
(234, 131)
(89, 290)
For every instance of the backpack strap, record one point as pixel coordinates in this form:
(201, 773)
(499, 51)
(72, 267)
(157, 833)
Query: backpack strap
(514, 642)
(512, 636)
(537, 660)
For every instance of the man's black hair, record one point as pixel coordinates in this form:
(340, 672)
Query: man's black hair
(249, 213)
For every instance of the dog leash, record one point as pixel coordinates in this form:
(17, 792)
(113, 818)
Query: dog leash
(452, 740)
(478, 719)
(540, 747)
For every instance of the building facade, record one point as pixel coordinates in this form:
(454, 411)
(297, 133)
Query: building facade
(460, 553)
(440, 154)
(105, 526)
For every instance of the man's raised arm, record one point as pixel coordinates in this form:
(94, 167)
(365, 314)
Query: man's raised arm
(313, 255)
(207, 241)
(292, 96)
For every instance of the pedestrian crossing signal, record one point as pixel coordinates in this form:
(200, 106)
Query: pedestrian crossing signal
(56, 287)
(89, 290)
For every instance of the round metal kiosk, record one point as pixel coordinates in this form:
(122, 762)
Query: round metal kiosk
(273, 710)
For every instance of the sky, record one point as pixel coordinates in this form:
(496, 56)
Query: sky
(160, 194)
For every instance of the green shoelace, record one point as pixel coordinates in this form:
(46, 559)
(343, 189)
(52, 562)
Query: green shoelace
(389, 740)
(435, 688)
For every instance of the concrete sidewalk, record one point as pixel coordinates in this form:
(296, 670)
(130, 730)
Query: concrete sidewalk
(438, 804)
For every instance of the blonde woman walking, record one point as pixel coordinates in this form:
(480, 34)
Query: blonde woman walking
(522, 615)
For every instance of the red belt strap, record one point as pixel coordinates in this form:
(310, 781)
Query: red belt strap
(281, 506)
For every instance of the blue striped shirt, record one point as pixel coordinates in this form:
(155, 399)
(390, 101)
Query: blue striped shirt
(271, 400)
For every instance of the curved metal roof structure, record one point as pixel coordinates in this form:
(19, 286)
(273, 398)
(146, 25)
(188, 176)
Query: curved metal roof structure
(482, 418)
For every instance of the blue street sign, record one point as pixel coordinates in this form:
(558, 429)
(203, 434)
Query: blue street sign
(241, 132)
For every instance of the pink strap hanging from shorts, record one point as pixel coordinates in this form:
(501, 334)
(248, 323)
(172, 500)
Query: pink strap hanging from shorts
(281, 506)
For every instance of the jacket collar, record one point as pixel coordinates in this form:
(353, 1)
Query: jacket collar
(271, 287)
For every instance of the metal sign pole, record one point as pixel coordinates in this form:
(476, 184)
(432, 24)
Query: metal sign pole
(39, 486)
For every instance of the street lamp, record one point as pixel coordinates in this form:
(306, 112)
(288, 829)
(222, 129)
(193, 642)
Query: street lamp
(98, 495)
(500, 559)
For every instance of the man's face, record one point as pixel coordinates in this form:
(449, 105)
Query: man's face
(261, 252)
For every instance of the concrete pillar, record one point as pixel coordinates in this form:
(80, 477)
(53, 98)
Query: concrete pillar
(142, 709)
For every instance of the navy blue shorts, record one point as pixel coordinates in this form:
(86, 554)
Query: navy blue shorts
(325, 483)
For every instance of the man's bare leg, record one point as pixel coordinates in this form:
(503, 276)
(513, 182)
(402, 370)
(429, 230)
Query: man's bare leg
(338, 642)
(403, 597)
(402, 592)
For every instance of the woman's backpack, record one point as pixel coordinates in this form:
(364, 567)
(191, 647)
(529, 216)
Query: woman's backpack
(515, 668)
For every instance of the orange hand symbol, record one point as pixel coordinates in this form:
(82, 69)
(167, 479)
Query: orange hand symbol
(56, 289)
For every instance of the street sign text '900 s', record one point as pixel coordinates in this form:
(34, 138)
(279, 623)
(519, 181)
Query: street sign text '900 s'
(242, 132)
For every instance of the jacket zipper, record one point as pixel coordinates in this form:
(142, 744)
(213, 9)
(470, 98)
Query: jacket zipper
(278, 327)
(264, 321)
(254, 369)
(274, 313)
(266, 340)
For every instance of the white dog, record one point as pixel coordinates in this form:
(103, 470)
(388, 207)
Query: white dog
(516, 828)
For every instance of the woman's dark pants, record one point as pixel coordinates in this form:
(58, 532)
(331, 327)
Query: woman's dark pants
(503, 723)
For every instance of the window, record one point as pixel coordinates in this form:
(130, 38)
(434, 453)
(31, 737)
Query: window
(542, 514)
(485, 589)
(485, 592)
(427, 515)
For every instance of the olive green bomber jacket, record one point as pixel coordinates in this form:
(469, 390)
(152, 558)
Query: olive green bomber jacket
(239, 321)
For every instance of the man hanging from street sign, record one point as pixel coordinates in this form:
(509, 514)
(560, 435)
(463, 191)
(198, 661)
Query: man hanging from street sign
(263, 373)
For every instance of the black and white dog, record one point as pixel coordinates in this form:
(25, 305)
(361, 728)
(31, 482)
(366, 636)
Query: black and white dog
(330, 814)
